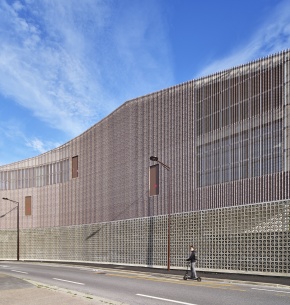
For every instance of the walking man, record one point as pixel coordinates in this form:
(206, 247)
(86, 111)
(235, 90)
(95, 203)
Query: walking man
(192, 260)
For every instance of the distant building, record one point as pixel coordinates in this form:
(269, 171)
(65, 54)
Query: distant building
(226, 140)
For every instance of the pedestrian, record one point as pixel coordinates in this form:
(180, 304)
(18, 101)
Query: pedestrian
(192, 259)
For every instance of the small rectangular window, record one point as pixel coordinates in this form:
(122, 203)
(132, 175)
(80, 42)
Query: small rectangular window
(27, 205)
(75, 167)
(154, 180)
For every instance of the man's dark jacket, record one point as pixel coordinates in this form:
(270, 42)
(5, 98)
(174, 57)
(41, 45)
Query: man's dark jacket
(192, 257)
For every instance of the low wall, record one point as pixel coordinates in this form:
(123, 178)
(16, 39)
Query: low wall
(249, 239)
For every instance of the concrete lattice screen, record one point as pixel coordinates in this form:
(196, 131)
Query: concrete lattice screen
(252, 239)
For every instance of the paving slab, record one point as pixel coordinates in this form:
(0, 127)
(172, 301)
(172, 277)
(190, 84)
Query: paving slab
(15, 291)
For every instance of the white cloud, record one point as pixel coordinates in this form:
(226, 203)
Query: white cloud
(272, 37)
(29, 65)
(70, 63)
(39, 146)
(36, 144)
(12, 132)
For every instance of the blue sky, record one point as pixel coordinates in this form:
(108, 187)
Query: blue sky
(66, 64)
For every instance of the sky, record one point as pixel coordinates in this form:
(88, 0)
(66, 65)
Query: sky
(67, 64)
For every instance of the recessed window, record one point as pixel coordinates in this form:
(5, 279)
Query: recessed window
(75, 167)
(27, 205)
(154, 180)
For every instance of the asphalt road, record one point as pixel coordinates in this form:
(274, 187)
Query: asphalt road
(142, 288)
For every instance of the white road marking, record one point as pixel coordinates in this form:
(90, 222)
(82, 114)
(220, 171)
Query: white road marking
(271, 290)
(19, 271)
(68, 281)
(162, 299)
(89, 269)
(4, 266)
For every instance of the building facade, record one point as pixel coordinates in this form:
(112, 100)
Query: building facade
(226, 140)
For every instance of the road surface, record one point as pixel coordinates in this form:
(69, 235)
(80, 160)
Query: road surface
(143, 288)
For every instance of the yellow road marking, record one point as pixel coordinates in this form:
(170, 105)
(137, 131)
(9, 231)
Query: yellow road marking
(179, 281)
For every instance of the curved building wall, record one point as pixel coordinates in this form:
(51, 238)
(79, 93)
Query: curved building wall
(225, 138)
(113, 165)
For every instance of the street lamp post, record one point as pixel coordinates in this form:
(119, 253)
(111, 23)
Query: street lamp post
(154, 158)
(17, 206)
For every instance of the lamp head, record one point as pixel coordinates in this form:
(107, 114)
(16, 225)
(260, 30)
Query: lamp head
(153, 158)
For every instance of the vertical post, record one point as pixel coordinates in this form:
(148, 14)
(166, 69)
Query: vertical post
(17, 206)
(169, 221)
(17, 231)
(153, 158)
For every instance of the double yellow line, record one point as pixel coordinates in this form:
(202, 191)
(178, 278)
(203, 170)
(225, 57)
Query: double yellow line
(207, 284)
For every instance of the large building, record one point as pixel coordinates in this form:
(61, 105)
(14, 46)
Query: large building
(225, 138)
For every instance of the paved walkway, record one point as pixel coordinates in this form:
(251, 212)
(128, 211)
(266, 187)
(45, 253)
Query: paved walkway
(14, 291)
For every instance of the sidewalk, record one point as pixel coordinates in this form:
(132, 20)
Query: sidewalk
(14, 291)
